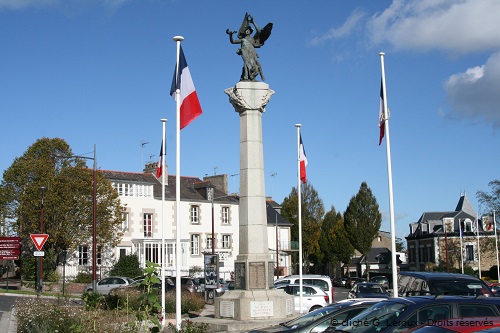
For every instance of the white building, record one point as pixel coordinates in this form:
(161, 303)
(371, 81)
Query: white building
(141, 196)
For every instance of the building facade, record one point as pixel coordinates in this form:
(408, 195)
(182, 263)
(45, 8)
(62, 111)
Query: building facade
(208, 215)
(451, 240)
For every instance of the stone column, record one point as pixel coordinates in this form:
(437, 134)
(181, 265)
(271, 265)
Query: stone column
(254, 296)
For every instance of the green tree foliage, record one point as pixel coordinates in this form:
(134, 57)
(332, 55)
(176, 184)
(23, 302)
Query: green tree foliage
(127, 266)
(312, 212)
(334, 241)
(490, 201)
(362, 220)
(67, 202)
(400, 244)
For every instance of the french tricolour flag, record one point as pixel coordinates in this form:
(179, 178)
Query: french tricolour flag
(159, 167)
(381, 115)
(190, 105)
(302, 160)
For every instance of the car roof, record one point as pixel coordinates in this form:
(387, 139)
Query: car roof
(412, 300)
(440, 275)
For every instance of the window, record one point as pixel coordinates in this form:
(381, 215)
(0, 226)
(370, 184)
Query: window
(469, 252)
(83, 255)
(123, 252)
(170, 254)
(209, 241)
(124, 221)
(152, 252)
(133, 190)
(468, 226)
(99, 255)
(195, 244)
(226, 241)
(225, 215)
(148, 225)
(193, 214)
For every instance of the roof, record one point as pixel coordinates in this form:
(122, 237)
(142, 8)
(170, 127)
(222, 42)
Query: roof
(439, 275)
(275, 218)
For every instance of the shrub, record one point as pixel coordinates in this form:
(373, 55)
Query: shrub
(127, 266)
(93, 300)
(83, 277)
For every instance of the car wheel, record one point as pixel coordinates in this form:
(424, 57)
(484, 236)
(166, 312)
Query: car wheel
(315, 308)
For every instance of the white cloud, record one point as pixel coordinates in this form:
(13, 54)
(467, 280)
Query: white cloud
(20, 4)
(473, 94)
(458, 26)
(346, 29)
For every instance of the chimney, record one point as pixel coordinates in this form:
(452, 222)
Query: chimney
(220, 181)
(151, 168)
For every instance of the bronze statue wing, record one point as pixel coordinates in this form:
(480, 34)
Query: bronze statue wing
(260, 38)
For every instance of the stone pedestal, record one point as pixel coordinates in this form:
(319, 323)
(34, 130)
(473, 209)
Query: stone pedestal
(254, 296)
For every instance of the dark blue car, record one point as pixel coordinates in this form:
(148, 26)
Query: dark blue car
(403, 313)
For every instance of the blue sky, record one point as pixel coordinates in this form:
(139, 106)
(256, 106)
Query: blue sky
(99, 72)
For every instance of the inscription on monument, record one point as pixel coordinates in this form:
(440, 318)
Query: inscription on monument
(257, 275)
(226, 309)
(239, 276)
(261, 309)
(270, 275)
(289, 306)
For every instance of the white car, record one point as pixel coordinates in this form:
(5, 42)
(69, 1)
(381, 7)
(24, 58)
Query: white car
(313, 297)
(105, 285)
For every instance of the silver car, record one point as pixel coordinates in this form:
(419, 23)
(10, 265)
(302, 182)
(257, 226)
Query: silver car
(105, 285)
(313, 297)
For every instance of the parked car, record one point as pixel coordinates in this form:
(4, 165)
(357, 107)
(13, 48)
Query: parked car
(403, 313)
(323, 318)
(313, 297)
(351, 281)
(383, 280)
(435, 283)
(339, 282)
(138, 285)
(368, 290)
(462, 325)
(322, 281)
(103, 286)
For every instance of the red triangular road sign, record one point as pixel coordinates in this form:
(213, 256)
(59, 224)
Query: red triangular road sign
(39, 240)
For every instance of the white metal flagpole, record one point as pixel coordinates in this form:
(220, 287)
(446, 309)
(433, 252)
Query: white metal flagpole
(299, 203)
(496, 244)
(478, 247)
(389, 174)
(461, 246)
(163, 144)
(178, 252)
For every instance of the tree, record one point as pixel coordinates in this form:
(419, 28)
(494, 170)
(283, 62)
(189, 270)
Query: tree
(362, 221)
(67, 202)
(334, 241)
(312, 213)
(127, 266)
(400, 245)
(490, 201)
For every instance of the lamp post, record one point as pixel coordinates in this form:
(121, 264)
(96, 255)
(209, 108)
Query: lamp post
(94, 215)
(43, 189)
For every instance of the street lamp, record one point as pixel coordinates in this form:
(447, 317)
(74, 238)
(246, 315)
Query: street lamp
(94, 215)
(43, 189)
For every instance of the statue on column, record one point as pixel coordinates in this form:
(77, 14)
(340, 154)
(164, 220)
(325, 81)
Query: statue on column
(251, 63)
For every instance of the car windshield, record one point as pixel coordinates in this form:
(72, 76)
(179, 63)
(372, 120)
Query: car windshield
(375, 319)
(311, 316)
(465, 288)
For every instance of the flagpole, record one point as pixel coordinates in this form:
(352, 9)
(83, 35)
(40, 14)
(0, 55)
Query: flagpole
(178, 258)
(478, 246)
(461, 252)
(299, 203)
(163, 143)
(389, 174)
(496, 244)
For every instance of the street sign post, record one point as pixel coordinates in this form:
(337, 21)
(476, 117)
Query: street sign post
(39, 240)
(10, 248)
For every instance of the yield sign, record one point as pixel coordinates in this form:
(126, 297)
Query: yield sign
(39, 240)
